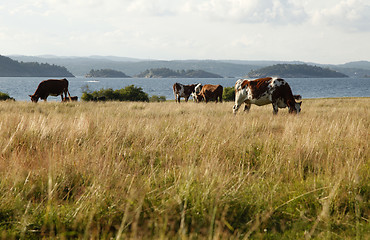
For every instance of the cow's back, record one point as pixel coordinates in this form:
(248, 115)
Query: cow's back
(209, 88)
(210, 91)
(51, 87)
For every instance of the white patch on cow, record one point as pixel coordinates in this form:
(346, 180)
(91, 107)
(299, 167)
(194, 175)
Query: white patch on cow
(197, 90)
(238, 84)
(181, 92)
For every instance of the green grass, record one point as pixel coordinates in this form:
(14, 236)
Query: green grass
(190, 171)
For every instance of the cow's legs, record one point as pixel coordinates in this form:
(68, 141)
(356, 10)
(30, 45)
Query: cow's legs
(186, 99)
(70, 99)
(238, 102)
(275, 107)
(247, 106)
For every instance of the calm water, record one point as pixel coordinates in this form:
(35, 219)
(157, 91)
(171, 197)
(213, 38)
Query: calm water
(20, 87)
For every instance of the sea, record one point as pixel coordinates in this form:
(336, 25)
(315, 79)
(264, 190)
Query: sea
(20, 87)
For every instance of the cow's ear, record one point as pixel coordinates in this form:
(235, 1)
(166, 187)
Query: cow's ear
(30, 95)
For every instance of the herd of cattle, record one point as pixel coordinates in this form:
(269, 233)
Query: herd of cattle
(260, 92)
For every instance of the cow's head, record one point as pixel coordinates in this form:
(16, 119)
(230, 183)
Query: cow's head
(296, 109)
(34, 98)
(199, 97)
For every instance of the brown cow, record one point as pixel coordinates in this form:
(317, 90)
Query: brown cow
(53, 87)
(263, 91)
(180, 90)
(210, 92)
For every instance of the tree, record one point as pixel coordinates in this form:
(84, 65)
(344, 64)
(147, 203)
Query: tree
(129, 93)
(228, 94)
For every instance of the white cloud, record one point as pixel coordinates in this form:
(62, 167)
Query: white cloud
(253, 11)
(351, 15)
(180, 29)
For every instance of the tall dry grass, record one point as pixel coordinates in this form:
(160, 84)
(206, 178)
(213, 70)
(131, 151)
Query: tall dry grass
(167, 170)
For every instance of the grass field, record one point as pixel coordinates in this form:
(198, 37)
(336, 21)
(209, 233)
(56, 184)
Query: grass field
(131, 170)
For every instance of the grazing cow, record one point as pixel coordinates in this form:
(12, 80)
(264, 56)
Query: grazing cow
(197, 90)
(180, 90)
(53, 87)
(72, 99)
(263, 91)
(210, 92)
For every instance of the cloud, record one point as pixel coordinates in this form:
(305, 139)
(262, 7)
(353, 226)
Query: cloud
(352, 15)
(253, 11)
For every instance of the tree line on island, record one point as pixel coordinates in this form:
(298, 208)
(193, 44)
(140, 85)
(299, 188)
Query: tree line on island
(281, 70)
(153, 73)
(12, 68)
(295, 71)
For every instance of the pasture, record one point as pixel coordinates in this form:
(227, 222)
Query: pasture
(129, 170)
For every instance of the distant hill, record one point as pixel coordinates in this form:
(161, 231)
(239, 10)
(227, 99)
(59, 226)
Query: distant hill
(12, 68)
(295, 71)
(106, 73)
(168, 73)
(79, 66)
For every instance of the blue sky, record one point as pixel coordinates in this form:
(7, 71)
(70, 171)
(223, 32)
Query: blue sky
(321, 31)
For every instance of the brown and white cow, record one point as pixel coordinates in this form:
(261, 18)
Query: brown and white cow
(180, 90)
(210, 92)
(263, 91)
(53, 87)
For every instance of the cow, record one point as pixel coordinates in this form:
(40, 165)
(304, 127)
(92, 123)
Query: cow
(210, 92)
(53, 87)
(197, 90)
(263, 91)
(72, 99)
(180, 90)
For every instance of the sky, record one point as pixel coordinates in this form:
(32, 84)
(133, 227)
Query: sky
(319, 31)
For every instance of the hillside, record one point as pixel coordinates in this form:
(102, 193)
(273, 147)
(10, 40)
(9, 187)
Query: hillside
(168, 73)
(79, 66)
(12, 68)
(295, 71)
(106, 73)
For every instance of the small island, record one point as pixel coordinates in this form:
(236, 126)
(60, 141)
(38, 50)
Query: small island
(295, 71)
(12, 68)
(106, 73)
(168, 73)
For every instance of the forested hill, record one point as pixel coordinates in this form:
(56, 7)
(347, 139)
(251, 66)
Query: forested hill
(12, 68)
(295, 71)
(106, 73)
(168, 73)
